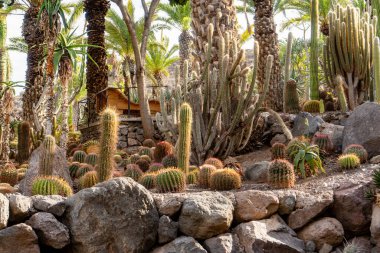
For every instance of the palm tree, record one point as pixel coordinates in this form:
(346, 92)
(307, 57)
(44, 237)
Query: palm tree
(179, 17)
(8, 108)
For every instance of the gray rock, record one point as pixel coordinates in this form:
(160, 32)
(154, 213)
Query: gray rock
(21, 207)
(54, 204)
(59, 165)
(205, 215)
(167, 230)
(49, 230)
(258, 173)
(183, 244)
(326, 248)
(226, 243)
(118, 215)
(270, 235)
(362, 127)
(170, 203)
(375, 159)
(19, 238)
(4, 211)
(306, 124)
(375, 224)
(287, 200)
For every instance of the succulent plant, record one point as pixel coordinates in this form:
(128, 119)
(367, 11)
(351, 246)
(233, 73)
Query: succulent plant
(358, 150)
(323, 141)
(148, 180)
(278, 151)
(192, 177)
(134, 158)
(117, 158)
(91, 146)
(184, 137)
(291, 100)
(83, 169)
(51, 185)
(281, 174)
(218, 164)
(348, 161)
(146, 151)
(170, 161)
(24, 142)
(79, 156)
(133, 171)
(155, 167)
(205, 175)
(91, 159)
(225, 180)
(170, 180)
(9, 176)
(73, 169)
(149, 143)
(293, 146)
(162, 149)
(46, 162)
(143, 165)
(88, 180)
(312, 106)
(146, 158)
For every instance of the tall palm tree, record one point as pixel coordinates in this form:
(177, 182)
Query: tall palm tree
(97, 74)
(179, 17)
(7, 101)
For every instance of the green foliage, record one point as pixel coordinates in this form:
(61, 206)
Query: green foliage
(91, 159)
(170, 161)
(24, 142)
(73, 169)
(88, 180)
(358, 150)
(307, 155)
(178, 14)
(171, 180)
(46, 162)
(51, 185)
(143, 164)
(79, 156)
(376, 178)
(184, 137)
(133, 171)
(162, 149)
(293, 146)
(148, 180)
(281, 174)
(218, 164)
(155, 167)
(312, 106)
(278, 151)
(9, 176)
(146, 151)
(348, 161)
(225, 180)
(205, 175)
(149, 143)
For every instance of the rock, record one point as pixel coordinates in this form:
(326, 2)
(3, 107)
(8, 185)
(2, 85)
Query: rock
(362, 128)
(132, 142)
(226, 243)
(21, 207)
(306, 124)
(170, 203)
(375, 159)
(279, 138)
(352, 209)
(326, 230)
(287, 201)
(270, 235)
(49, 230)
(326, 248)
(4, 211)
(375, 249)
(54, 204)
(308, 207)
(183, 244)
(167, 230)
(255, 205)
(205, 215)
(310, 246)
(18, 238)
(60, 169)
(375, 224)
(118, 215)
(6, 188)
(258, 173)
(335, 132)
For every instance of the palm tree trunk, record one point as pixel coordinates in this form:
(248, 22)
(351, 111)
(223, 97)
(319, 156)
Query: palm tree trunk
(65, 74)
(8, 108)
(144, 105)
(266, 36)
(3, 37)
(126, 76)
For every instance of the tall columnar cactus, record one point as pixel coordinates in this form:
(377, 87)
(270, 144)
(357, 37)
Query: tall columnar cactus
(376, 68)
(291, 99)
(24, 142)
(184, 137)
(108, 143)
(341, 94)
(348, 51)
(46, 163)
(288, 61)
(314, 83)
(37, 137)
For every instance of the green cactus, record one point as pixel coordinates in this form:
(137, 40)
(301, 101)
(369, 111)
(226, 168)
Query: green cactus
(321, 106)
(51, 185)
(79, 156)
(215, 162)
(143, 165)
(148, 180)
(278, 151)
(46, 163)
(171, 180)
(184, 137)
(192, 177)
(91, 159)
(9, 176)
(83, 169)
(288, 58)
(376, 68)
(149, 143)
(348, 161)
(37, 137)
(88, 180)
(155, 167)
(73, 169)
(291, 99)
(162, 149)
(146, 151)
(170, 161)
(24, 144)
(109, 130)
(134, 158)
(146, 158)
(117, 158)
(311, 106)
(205, 175)
(314, 83)
(193, 168)
(91, 146)
(281, 174)
(340, 83)
(323, 141)
(358, 150)
(133, 171)
(225, 180)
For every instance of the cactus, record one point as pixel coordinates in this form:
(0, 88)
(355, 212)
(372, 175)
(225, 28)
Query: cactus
(288, 58)
(193, 168)
(192, 177)
(73, 169)
(205, 174)
(117, 158)
(218, 164)
(83, 169)
(148, 180)
(79, 156)
(358, 150)
(171, 180)
(91, 159)
(278, 151)
(91, 146)
(376, 68)
(149, 143)
(109, 130)
(134, 158)
(37, 137)
(354, 247)
(46, 162)
(323, 141)
(341, 94)
(133, 171)
(348, 161)
(23, 145)
(88, 180)
(155, 167)
(225, 180)
(146, 158)
(281, 174)
(143, 164)
(162, 149)
(9, 176)
(314, 83)
(51, 185)
(291, 99)
(146, 151)
(311, 106)
(170, 161)
(184, 137)
(321, 106)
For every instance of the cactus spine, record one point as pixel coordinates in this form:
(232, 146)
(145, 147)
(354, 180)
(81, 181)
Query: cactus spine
(23, 145)
(109, 129)
(47, 156)
(376, 68)
(288, 61)
(314, 83)
(184, 138)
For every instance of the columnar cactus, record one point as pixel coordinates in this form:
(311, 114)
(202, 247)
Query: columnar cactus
(205, 175)
(314, 52)
(278, 151)
(46, 163)
(376, 68)
(225, 180)
(288, 59)
(79, 156)
(184, 137)
(341, 94)
(281, 174)
(37, 137)
(291, 100)
(162, 149)
(312, 106)
(348, 161)
(215, 162)
(51, 185)
(88, 180)
(170, 180)
(91, 159)
(24, 142)
(358, 150)
(170, 161)
(108, 143)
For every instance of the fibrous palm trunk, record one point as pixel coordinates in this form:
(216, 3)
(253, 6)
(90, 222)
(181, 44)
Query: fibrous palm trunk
(266, 36)
(7, 107)
(184, 42)
(96, 75)
(3, 62)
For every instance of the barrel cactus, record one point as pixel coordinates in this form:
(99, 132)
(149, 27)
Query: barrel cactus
(79, 156)
(143, 165)
(117, 158)
(134, 158)
(170, 161)
(278, 151)
(205, 175)
(162, 149)
(133, 171)
(358, 150)
(51, 185)
(46, 163)
(91, 146)
(91, 159)
(155, 167)
(312, 106)
(192, 177)
(171, 180)
(281, 174)
(149, 143)
(148, 180)
(225, 180)
(88, 180)
(323, 141)
(146, 151)
(348, 161)
(73, 169)
(215, 162)
(9, 176)
(146, 158)
(83, 169)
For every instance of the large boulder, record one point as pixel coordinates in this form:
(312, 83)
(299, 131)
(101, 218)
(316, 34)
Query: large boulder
(306, 124)
(170, 203)
(362, 127)
(54, 204)
(49, 230)
(19, 238)
(269, 235)
(21, 207)
(59, 169)
(255, 205)
(226, 243)
(352, 209)
(375, 224)
(183, 244)
(118, 215)
(324, 231)
(4, 211)
(205, 215)
(167, 230)
(258, 172)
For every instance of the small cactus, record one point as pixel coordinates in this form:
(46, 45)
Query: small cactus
(46, 163)
(91, 159)
(9, 176)
(292, 104)
(133, 171)
(171, 180)
(73, 169)
(88, 180)
(358, 150)
(281, 174)
(83, 169)
(155, 167)
(348, 161)
(143, 165)
(278, 151)
(79, 156)
(323, 141)
(149, 143)
(51, 185)
(148, 180)
(225, 180)
(134, 158)
(215, 162)
(146, 158)
(117, 158)
(24, 142)
(170, 161)
(162, 149)
(312, 106)
(192, 177)
(205, 174)
(146, 151)
(91, 146)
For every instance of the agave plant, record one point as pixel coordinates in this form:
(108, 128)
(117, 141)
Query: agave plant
(307, 159)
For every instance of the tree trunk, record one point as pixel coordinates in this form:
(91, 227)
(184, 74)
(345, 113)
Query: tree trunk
(144, 105)
(8, 108)
(3, 62)
(65, 74)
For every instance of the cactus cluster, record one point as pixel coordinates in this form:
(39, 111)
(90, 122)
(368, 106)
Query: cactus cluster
(205, 175)
(162, 149)
(9, 176)
(46, 162)
(184, 137)
(225, 180)
(281, 174)
(73, 169)
(170, 161)
(148, 180)
(348, 161)
(171, 180)
(358, 150)
(88, 180)
(23, 144)
(133, 171)
(51, 185)
(291, 99)
(79, 156)
(218, 164)
(323, 141)
(278, 151)
(311, 106)
(91, 159)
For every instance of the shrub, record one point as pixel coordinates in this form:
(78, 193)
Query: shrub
(225, 180)
(281, 174)
(358, 150)
(171, 180)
